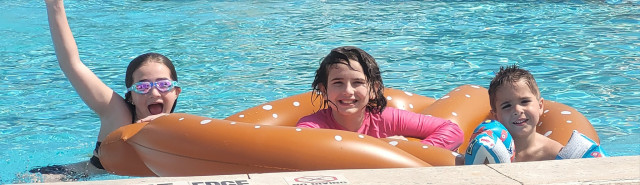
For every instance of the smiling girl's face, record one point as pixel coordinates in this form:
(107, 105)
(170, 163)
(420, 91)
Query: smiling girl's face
(347, 89)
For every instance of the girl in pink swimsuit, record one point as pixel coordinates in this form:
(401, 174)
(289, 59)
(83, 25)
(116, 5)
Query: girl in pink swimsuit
(350, 83)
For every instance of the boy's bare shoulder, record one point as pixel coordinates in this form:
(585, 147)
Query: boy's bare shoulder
(550, 148)
(542, 149)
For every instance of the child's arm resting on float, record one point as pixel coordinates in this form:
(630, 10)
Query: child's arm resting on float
(435, 131)
(446, 135)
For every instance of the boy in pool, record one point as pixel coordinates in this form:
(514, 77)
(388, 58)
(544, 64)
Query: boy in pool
(350, 83)
(152, 91)
(516, 103)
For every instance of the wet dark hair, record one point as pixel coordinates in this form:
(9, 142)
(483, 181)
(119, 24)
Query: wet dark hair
(511, 74)
(135, 64)
(344, 55)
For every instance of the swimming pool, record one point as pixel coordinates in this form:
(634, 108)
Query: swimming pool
(234, 55)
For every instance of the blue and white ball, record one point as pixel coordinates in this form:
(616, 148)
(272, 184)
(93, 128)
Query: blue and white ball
(490, 143)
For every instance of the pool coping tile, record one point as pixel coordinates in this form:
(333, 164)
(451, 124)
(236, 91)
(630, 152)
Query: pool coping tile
(611, 170)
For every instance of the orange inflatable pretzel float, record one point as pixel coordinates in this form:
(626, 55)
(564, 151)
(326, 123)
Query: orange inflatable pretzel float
(264, 138)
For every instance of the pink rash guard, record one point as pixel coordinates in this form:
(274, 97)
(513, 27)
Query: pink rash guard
(434, 131)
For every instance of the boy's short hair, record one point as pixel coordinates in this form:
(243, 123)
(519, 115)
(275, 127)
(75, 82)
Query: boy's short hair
(511, 74)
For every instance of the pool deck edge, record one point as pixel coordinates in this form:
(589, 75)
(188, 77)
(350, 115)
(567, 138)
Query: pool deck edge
(611, 170)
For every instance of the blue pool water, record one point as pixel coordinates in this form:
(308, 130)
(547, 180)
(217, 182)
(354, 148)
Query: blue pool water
(234, 55)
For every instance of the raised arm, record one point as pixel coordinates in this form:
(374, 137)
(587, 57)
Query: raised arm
(99, 97)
